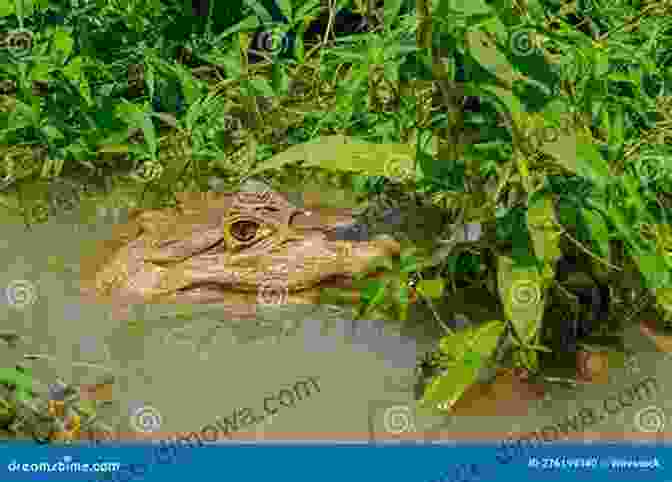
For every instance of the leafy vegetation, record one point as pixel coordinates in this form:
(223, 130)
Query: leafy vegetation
(537, 129)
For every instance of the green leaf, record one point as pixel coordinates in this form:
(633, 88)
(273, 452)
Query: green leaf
(403, 295)
(431, 288)
(372, 290)
(73, 72)
(348, 54)
(230, 61)
(481, 339)
(408, 262)
(445, 390)
(40, 72)
(469, 349)
(484, 50)
(260, 11)
(391, 12)
(52, 132)
(522, 294)
(473, 7)
(616, 130)
(248, 23)
(190, 86)
(150, 78)
(598, 230)
(342, 153)
(286, 9)
(23, 115)
(374, 294)
(6, 8)
(260, 87)
(544, 230)
(137, 116)
(280, 79)
(20, 12)
(299, 47)
(473, 359)
(22, 380)
(306, 9)
(655, 270)
(63, 43)
(590, 163)
(601, 63)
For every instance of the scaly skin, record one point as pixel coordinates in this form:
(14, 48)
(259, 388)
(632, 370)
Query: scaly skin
(235, 248)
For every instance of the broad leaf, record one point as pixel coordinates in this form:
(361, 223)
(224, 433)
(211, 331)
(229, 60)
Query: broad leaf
(469, 348)
(598, 230)
(21, 380)
(431, 288)
(342, 153)
(63, 43)
(445, 390)
(481, 339)
(545, 234)
(522, 294)
(286, 8)
(137, 116)
(260, 11)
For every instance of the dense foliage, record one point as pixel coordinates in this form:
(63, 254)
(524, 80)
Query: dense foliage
(538, 128)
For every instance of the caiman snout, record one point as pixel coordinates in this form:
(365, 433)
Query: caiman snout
(357, 256)
(226, 247)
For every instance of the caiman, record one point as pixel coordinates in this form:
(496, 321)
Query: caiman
(237, 249)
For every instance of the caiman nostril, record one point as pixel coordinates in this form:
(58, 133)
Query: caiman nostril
(349, 232)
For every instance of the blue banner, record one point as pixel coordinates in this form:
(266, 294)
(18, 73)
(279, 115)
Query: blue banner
(437, 462)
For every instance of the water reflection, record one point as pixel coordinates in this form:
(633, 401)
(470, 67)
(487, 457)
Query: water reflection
(319, 329)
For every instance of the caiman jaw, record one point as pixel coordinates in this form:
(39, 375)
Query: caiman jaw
(357, 256)
(354, 258)
(283, 269)
(213, 253)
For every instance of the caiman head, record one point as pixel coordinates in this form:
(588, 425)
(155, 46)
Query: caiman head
(239, 249)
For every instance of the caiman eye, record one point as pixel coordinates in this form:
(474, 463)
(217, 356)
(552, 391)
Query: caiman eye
(244, 231)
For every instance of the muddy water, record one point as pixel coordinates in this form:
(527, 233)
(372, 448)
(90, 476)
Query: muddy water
(325, 377)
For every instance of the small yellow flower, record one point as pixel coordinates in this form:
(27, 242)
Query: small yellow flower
(56, 408)
(73, 426)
